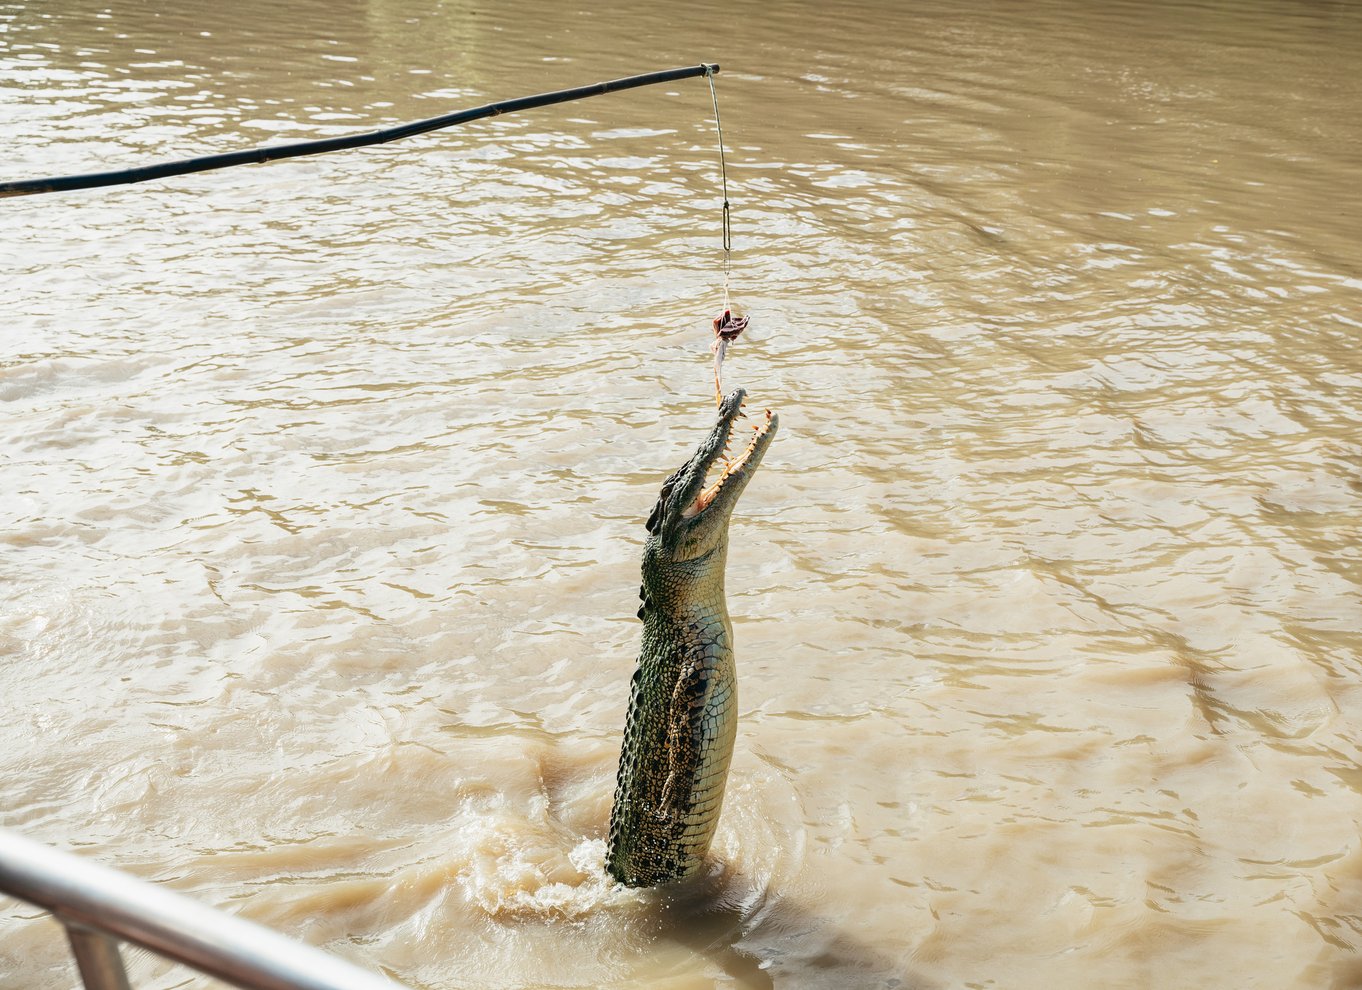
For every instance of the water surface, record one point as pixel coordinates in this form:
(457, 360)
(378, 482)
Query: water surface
(325, 484)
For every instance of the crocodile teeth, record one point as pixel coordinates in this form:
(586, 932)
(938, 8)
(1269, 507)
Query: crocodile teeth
(731, 467)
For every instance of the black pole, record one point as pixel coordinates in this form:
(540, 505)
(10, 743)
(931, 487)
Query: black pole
(91, 180)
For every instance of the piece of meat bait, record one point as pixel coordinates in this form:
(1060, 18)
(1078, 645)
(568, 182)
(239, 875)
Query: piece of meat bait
(727, 328)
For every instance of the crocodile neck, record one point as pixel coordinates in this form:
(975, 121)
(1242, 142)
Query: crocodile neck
(682, 721)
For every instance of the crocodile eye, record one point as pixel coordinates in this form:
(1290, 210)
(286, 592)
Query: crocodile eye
(655, 517)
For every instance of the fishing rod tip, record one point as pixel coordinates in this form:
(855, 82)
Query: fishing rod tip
(711, 68)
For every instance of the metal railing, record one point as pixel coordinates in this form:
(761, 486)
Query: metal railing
(100, 907)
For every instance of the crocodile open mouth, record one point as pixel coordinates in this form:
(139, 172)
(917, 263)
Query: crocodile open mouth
(725, 469)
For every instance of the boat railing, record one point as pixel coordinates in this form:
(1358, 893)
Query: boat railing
(101, 907)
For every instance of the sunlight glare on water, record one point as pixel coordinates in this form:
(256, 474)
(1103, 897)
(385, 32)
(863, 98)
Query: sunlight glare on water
(325, 484)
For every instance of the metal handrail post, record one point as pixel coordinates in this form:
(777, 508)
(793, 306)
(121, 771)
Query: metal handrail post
(97, 958)
(90, 898)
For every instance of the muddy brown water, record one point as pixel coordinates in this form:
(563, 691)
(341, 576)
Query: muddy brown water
(324, 483)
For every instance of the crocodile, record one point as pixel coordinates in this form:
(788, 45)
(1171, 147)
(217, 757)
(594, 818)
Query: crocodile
(682, 719)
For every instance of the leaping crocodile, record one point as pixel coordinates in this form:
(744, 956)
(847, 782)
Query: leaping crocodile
(678, 736)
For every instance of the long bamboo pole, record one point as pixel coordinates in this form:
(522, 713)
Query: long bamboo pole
(253, 156)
